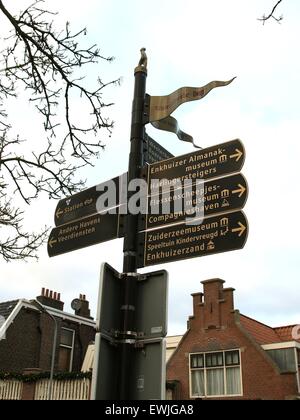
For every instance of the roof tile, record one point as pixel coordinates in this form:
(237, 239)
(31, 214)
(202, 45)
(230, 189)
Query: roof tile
(262, 333)
(286, 333)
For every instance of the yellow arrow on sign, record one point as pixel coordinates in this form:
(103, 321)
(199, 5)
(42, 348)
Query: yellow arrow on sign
(52, 242)
(240, 191)
(241, 229)
(237, 155)
(59, 213)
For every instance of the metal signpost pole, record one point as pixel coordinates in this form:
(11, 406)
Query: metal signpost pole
(128, 333)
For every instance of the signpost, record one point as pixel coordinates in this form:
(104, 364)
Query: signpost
(85, 232)
(211, 197)
(84, 203)
(226, 232)
(212, 162)
(132, 307)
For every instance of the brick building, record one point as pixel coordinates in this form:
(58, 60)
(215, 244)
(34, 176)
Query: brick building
(27, 333)
(227, 355)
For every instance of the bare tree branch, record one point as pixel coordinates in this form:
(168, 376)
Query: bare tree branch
(15, 243)
(271, 15)
(43, 63)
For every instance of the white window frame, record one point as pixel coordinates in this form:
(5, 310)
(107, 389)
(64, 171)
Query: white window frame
(286, 345)
(69, 347)
(205, 369)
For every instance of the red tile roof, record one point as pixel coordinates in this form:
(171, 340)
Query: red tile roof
(262, 334)
(285, 333)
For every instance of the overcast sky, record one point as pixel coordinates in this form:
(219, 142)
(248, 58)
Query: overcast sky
(190, 44)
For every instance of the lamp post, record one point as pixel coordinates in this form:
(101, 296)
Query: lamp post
(44, 310)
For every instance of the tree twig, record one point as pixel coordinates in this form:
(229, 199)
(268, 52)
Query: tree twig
(271, 15)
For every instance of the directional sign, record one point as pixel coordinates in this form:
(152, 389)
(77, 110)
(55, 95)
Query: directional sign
(214, 235)
(85, 232)
(84, 203)
(209, 163)
(154, 151)
(210, 197)
(213, 162)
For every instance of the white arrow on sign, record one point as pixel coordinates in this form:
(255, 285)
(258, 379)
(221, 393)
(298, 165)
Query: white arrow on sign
(52, 242)
(241, 229)
(59, 213)
(237, 155)
(240, 191)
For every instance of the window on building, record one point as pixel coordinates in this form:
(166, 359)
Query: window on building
(215, 374)
(66, 349)
(284, 358)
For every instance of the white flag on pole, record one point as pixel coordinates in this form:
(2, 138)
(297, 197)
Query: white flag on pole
(171, 124)
(163, 106)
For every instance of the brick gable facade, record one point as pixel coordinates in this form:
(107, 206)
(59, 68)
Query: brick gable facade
(215, 327)
(28, 341)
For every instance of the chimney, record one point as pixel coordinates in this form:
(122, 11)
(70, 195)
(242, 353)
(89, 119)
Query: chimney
(213, 297)
(51, 299)
(214, 308)
(83, 310)
(229, 297)
(197, 301)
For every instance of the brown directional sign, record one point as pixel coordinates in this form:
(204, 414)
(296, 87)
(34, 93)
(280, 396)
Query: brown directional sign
(84, 203)
(216, 234)
(210, 197)
(213, 162)
(82, 220)
(85, 232)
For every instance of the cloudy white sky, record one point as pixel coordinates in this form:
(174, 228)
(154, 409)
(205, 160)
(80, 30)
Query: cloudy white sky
(189, 44)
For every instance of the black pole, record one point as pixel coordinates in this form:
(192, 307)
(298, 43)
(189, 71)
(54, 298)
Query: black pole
(130, 249)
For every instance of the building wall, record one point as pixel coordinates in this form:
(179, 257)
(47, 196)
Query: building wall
(29, 342)
(260, 378)
(215, 326)
(20, 349)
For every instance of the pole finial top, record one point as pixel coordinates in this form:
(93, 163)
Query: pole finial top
(142, 65)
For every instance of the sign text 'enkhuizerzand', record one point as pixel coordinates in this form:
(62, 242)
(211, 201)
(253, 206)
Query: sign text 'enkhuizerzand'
(178, 242)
